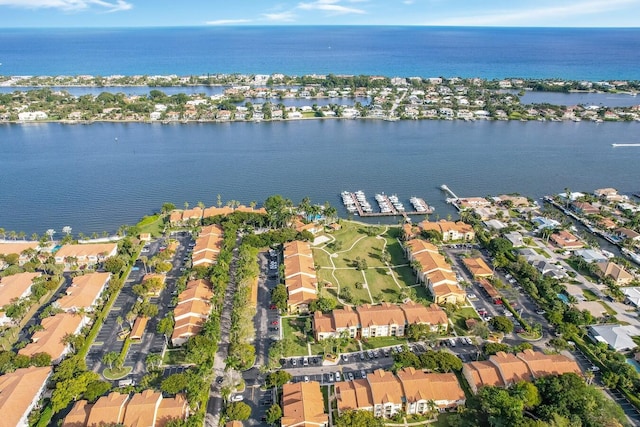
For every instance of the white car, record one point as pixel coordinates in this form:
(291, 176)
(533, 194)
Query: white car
(237, 398)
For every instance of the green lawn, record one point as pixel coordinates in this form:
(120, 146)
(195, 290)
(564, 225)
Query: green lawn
(116, 374)
(589, 295)
(371, 343)
(151, 224)
(458, 318)
(381, 285)
(292, 327)
(354, 242)
(175, 356)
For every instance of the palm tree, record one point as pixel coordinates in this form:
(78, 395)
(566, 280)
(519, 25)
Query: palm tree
(22, 235)
(186, 205)
(35, 237)
(144, 259)
(13, 235)
(219, 200)
(201, 205)
(253, 204)
(66, 230)
(50, 232)
(2, 233)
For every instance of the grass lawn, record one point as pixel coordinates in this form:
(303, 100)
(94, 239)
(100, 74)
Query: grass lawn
(151, 224)
(381, 285)
(589, 295)
(175, 356)
(423, 293)
(354, 242)
(292, 327)
(371, 343)
(608, 308)
(115, 374)
(350, 278)
(458, 318)
(321, 258)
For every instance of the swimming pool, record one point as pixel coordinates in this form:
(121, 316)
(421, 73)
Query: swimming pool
(564, 298)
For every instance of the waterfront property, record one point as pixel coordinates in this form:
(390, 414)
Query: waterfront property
(20, 392)
(617, 273)
(21, 249)
(84, 255)
(384, 320)
(617, 337)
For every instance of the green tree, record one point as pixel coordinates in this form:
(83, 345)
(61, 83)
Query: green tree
(95, 389)
(274, 413)
(322, 304)
(362, 418)
(174, 383)
(41, 359)
(69, 390)
(279, 297)
(238, 411)
(110, 358)
(277, 379)
(501, 324)
(114, 264)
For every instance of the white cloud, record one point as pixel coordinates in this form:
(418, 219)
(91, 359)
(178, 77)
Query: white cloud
(331, 6)
(69, 5)
(526, 16)
(287, 16)
(227, 21)
(408, 2)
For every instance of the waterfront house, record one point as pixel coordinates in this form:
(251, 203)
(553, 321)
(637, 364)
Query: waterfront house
(615, 272)
(208, 245)
(609, 194)
(584, 208)
(303, 405)
(22, 249)
(84, 254)
(20, 392)
(590, 255)
(50, 339)
(566, 241)
(84, 292)
(627, 234)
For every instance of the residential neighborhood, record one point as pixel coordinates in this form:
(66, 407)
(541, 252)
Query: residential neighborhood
(268, 315)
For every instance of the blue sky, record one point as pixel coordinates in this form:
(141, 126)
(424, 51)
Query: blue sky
(145, 13)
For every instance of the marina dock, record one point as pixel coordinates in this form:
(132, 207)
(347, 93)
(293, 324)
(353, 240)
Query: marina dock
(356, 203)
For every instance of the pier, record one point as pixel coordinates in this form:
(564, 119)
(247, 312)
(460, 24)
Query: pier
(361, 207)
(453, 199)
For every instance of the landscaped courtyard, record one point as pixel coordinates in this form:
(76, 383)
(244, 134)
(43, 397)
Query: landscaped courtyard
(365, 264)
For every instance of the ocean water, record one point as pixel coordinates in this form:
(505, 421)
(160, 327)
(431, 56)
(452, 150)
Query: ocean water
(575, 53)
(54, 175)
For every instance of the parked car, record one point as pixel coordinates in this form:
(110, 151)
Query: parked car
(363, 373)
(337, 376)
(237, 398)
(306, 379)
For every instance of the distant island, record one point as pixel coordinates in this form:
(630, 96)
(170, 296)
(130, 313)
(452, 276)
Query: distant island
(250, 97)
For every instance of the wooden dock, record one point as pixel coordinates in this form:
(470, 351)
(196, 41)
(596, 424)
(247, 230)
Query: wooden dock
(394, 211)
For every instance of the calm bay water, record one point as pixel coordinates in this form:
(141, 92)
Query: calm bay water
(54, 175)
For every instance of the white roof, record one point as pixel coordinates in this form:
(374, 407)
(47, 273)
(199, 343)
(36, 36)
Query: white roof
(616, 336)
(633, 295)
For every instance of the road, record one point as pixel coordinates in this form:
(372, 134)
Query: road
(152, 342)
